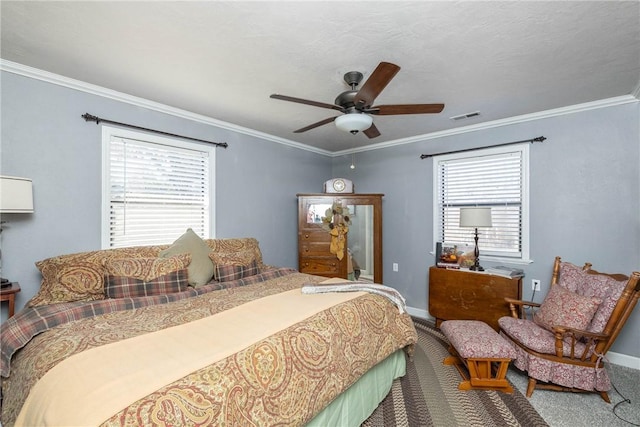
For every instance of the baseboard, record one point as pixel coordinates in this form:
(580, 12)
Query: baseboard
(624, 360)
(615, 358)
(417, 312)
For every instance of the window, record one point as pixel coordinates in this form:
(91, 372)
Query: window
(492, 177)
(154, 188)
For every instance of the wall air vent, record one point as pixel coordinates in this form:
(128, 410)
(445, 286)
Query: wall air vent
(465, 116)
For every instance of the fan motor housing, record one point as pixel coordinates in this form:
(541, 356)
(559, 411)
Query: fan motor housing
(345, 99)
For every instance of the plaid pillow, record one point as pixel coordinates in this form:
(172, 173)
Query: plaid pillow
(229, 272)
(234, 265)
(130, 287)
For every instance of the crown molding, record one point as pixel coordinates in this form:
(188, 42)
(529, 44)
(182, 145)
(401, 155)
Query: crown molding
(34, 73)
(609, 102)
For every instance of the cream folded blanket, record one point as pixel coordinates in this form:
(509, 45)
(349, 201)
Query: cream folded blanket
(340, 285)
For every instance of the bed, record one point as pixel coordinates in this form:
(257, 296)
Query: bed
(251, 350)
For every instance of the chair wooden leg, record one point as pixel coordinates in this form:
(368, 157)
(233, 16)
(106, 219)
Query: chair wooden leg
(605, 396)
(531, 386)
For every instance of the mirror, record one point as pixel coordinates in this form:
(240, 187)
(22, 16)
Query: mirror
(360, 240)
(316, 211)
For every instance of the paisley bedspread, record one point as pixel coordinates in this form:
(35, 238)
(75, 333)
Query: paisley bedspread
(283, 379)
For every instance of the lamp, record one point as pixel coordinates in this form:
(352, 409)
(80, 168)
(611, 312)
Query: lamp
(475, 217)
(16, 196)
(354, 122)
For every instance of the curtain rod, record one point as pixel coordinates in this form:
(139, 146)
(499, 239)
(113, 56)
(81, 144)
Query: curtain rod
(89, 118)
(538, 139)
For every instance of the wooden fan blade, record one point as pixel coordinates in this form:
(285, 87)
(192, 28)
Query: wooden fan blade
(389, 110)
(315, 125)
(379, 79)
(372, 132)
(307, 102)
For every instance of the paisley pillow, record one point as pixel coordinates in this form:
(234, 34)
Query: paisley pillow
(146, 269)
(600, 286)
(80, 276)
(561, 307)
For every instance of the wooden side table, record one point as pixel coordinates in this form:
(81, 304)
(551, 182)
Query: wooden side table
(9, 294)
(470, 295)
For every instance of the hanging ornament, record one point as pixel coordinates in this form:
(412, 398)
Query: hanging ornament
(336, 221)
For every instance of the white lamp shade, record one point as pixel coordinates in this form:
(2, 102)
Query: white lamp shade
(353, 122)
(475, 217)
(16, 195)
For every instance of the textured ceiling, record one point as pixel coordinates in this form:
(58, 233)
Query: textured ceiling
(223, 59)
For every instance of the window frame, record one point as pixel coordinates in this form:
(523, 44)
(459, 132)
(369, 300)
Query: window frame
(523, 149)
(108, 133)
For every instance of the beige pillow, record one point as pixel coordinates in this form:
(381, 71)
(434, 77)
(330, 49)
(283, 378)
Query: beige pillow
(201, 268)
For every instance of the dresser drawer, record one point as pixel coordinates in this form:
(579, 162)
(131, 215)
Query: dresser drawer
(314, 236)
(313, 243)
(312, 249)
(321, 266)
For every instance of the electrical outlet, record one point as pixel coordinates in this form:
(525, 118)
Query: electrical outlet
(535, 284)
(395, 266)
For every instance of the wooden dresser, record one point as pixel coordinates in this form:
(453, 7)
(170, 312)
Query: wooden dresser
(364, 237)
(469, 295)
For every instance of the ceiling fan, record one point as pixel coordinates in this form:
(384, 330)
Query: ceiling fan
(357, 104)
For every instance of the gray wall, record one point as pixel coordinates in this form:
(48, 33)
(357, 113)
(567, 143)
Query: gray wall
(45, 139)
(585, 183)
(584, 187)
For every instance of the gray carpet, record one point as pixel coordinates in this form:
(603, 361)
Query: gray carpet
(428, 396)
(588, 409)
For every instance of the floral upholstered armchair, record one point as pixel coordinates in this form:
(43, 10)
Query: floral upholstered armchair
(561, 343)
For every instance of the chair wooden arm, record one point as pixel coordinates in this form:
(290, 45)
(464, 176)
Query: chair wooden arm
(516, 305)
(590, 339)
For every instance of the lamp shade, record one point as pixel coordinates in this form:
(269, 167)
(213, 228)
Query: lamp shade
(475, 217)
(16, 195)
(353, 122)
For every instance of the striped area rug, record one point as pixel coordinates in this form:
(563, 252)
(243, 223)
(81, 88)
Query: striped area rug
(428, 395)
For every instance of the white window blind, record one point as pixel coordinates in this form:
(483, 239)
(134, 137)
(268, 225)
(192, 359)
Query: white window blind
(154, 189)
(494, 178)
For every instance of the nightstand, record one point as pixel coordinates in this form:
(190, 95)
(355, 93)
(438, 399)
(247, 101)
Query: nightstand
(9, 294)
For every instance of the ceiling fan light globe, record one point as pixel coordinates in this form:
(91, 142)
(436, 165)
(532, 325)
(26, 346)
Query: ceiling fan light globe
(354, 122)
